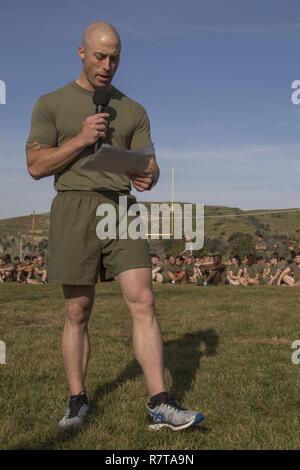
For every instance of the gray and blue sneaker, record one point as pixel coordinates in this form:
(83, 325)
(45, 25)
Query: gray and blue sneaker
(171, 415)
(76, 413)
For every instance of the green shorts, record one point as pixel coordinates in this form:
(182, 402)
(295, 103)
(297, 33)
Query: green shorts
(75, 253)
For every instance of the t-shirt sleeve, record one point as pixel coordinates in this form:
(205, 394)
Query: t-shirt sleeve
(43, 128)
(141, 136)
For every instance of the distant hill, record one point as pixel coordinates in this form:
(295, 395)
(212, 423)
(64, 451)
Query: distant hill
(227, 230)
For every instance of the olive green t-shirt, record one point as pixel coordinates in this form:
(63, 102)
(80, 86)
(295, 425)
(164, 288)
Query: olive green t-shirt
(171, 267)
(58, 116)
(261, 267)
(161, 266)
(295, 269)
(189, 268)
(253, 270)
(235, 269)
(276, 267)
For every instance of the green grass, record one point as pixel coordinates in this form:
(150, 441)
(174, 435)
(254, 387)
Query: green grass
(228, 352)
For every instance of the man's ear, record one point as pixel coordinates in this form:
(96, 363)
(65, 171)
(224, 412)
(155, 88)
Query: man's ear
(81, 53)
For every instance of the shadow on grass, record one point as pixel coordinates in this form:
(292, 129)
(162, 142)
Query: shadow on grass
(182, 359)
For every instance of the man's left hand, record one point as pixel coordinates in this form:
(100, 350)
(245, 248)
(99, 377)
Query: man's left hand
(141, 181)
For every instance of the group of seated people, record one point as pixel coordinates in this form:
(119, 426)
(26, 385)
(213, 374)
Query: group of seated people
(32, 270)
(211, 270)
(203, 271)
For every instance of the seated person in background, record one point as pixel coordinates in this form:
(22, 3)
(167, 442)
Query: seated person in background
(25, 270)
(216, 272)
(34, 260)
(263, 268)
(157, 269)
(291, 256)
(283, 262)
(7, 269)
(274, 270)
(39, 275)
(16, 262)
(250, 275)
(235, 271)
(180, 274)
(188, 267)
(292, 279)
(169, 273)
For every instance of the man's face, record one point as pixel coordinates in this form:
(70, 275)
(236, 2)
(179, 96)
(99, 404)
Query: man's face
(171, 260)
(297, 259)
(40, 261)
(178, 261)
(234, 261)
(100, 58)
(154, 260)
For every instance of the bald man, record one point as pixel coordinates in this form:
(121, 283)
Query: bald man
(64, 129)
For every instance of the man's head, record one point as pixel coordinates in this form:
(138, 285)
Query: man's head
(274, 258)
(235, 260)
(7, 259)
(154, 259)
(179, 260)
(171, 260)
(100, 54)
(297, 258)
(40, 260)
(217, 259)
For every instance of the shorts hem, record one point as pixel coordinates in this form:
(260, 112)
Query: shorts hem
(81, 282)
(129, 268)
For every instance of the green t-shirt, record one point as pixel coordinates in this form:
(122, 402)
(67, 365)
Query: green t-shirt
(189, 268)
(161, 267)
(253, 270)
(58, 116)
(261, 267)
(295, 269)
(171, 267)
(280, 266)
(234, 269)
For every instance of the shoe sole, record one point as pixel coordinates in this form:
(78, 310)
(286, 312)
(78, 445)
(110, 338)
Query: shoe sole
(196, 420)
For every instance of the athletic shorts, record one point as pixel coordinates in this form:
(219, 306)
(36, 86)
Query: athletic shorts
(75, 252)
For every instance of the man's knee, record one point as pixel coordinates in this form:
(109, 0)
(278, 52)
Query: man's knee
(143, 301)
(78, 311)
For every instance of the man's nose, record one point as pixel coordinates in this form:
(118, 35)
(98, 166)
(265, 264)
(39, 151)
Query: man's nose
(107, 64)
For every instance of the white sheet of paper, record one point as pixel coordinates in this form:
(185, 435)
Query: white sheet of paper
(117, 160)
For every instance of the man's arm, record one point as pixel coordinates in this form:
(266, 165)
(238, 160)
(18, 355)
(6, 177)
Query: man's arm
(275, 277)
(284, 272)
(45, 160)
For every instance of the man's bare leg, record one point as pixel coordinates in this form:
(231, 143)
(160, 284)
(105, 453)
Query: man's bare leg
(79, 302)
(137, 292)
(288, 280)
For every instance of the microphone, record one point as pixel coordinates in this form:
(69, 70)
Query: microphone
(100, 99)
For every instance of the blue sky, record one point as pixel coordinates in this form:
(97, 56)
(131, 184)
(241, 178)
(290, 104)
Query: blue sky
(215, 77)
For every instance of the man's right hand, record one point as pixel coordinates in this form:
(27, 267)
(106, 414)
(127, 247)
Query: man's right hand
(93, 128)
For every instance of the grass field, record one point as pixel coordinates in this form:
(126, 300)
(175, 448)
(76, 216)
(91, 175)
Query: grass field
(228, 353)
